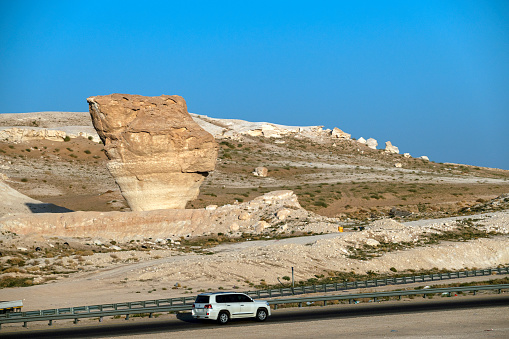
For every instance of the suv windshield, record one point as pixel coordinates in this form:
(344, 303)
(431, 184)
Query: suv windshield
(202, 299)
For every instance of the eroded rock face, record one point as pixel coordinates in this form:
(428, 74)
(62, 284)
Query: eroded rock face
(158, 155)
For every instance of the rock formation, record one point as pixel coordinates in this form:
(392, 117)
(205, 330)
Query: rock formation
(249, 217)
(424, 158)
(261, 171)
(389, 147)
(372, 143)
(337, 133)
(361, 140)
(158, 155)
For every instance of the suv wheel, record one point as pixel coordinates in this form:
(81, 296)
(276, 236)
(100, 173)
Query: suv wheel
(223, 318)
(261, 314)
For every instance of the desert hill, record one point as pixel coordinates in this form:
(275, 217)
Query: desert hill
(332, 174)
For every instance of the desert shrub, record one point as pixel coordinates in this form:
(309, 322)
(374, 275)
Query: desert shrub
(24, 180)
(16, 262)
(67, 138)
(15, 282)
(87, 151)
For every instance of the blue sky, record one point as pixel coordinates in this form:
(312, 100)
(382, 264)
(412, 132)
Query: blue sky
(430, 76)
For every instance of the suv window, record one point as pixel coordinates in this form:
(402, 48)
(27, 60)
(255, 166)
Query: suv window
(220, 299)
(244, 298)
(202, 299)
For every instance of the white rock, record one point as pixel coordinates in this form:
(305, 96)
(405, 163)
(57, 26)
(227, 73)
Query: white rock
(361, 140)
(283, 214)
(372, 242)
(211, 207)
(389, 147)
(337, 133)
(260, 226)
(407, 155)
(372, 143)
(234, 227)
(244, 215)
(116, 248)
(261, 171)
(398, 165)
(424, 158)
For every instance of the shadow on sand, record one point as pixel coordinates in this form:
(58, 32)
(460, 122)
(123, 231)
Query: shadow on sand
(46, 208)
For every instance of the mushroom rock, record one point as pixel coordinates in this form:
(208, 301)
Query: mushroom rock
(157, 154)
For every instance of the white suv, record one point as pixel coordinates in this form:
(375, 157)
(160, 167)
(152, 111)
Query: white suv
(223, 306)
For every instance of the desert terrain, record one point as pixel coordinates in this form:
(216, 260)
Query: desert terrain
(399, 214)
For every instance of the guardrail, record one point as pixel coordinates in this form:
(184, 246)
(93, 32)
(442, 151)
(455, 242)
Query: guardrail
(347, 285)
(100, 311)
(376, 295)
(152, 306)
(184, 303)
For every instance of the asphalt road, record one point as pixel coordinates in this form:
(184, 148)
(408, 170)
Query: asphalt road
(423, 312)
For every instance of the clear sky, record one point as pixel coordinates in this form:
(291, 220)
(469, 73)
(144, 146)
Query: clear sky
(430, 76)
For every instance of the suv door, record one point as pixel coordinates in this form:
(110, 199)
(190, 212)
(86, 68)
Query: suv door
(231, 303)
(247, 305)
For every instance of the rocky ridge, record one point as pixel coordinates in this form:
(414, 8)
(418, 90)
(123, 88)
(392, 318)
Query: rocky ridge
(273, 213)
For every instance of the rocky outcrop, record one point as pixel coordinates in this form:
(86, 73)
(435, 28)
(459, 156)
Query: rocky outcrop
(17, 135)
(158, 155)
(424, 158)
(254, 216)
(261, 172)
(337, 133)
(389, 147)
(361, 140)
(372, 143)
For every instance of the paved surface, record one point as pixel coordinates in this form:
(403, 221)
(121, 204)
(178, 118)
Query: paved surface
(482, 316)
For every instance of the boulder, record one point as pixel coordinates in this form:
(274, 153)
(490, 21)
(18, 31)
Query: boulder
(389, 147)
(283, 214)
(372, 143)
(337, 133)
(372, 242)
(361, 140)
(424, 158)
(398, 165)
(261, 172)
(407, 155)
(157, 154)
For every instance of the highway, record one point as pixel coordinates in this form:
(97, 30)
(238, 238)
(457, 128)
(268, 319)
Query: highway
(461, 316)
